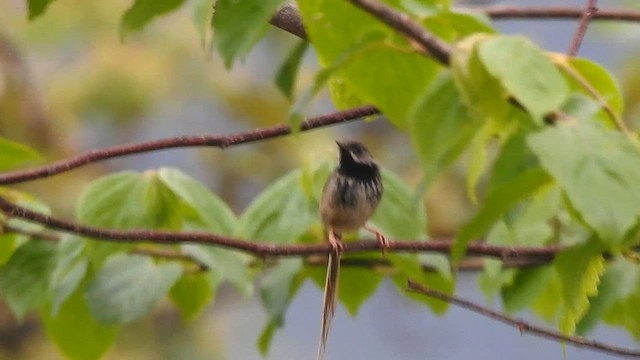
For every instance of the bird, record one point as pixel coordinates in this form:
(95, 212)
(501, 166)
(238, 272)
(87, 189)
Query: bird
(350, 197)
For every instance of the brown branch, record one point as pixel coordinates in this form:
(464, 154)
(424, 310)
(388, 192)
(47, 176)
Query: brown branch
(256, 247)
(168, 254)
(585, 19)
(222, 142)
(522, 325)
(506, 12)
(440, 50)
(288, 17)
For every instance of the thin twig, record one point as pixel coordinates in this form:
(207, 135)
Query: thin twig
(590, 9)
(522, 325)
(222, 142)
(288, 17)
(168, 254)
(506, 12)
(262, 249)
(440, 50)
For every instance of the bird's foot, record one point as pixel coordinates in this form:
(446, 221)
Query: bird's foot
(382, 240)
(335, 242)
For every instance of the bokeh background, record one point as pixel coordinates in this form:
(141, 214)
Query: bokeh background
(69, 83)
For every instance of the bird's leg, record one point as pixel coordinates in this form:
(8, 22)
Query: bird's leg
(335, 241)
(382, 240)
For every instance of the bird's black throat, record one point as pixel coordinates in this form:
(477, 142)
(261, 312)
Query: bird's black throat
(364, 172)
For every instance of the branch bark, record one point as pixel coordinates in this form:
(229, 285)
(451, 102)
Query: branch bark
(218, 141)
(262, 249)
(522, 325)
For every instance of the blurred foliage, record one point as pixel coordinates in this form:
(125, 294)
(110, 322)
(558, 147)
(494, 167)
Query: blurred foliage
(558, 169)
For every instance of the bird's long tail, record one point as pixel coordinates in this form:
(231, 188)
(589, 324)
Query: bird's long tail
(330, 293)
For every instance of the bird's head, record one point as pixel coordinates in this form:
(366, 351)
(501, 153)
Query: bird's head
(354, 153)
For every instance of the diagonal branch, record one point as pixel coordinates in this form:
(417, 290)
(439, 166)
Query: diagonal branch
(222, 142)
(522, 325)
(262, 249)
(440, 50)
(288, 18)
(590, 9)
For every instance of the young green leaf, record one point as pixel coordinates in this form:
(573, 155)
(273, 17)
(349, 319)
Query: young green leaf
(288, 71)
(207, 208)
(277, 289)
(192, 293)
(619, 280)
(526, 286)
(201, 16)
(14, 154)
(128, 286)
(71, 267)
(440, 127)
(76, 332)
(143, 11)
(579, 268)
(24, 279)
(399, 216)
(400, 74)
(598, 170)
(526, 73)
(594, 81)
(37, 7)
(239, 24)
(8, 245)
(497, 203)
(281, 213)
(229, 265)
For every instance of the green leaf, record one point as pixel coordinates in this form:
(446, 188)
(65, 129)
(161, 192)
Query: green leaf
(143, 11)
(497, 203)
(208, 209)
(527, 285)
(548, 304)
(37, 7)
(281, 213)
(356, 285)
(399, 215)
(128, 286)
(453, 26)
(579, 268)
(24, 279)
(598, 169)
(239, 24)
(14, 154)
(201, 16)
(7, 247)
(409, 267)
(288, 71)
(476, 85)
(76, 332)
(126, 200)
(401, 75)
(594, 81)
(277, 289)
(618, 282)
(228, 265)
(192, 293)
(70, 269)
(526, 73)
(440, 127)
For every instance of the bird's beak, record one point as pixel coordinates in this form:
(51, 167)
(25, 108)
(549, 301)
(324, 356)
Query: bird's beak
(340, 145)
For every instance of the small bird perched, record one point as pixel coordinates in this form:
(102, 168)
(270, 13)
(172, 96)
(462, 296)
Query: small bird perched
(349, 198)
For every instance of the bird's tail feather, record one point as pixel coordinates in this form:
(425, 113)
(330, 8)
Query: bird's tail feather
(329, 301)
